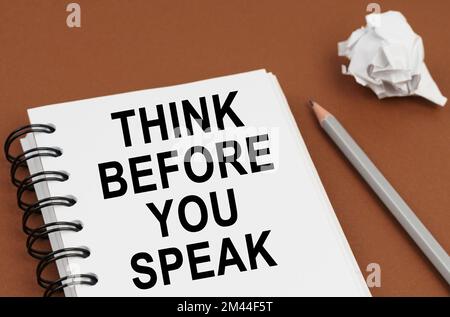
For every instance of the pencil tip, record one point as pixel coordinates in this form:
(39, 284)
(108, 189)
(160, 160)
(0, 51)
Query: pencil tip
(311, 103)
(320, 112)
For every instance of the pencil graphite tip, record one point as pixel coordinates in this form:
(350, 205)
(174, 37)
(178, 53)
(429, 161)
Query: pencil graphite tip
(311, 103)
(319, 111)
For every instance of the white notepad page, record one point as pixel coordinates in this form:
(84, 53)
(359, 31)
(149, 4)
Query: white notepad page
(305, 241)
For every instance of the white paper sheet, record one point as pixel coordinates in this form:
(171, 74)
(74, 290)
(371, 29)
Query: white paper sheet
(307, 242)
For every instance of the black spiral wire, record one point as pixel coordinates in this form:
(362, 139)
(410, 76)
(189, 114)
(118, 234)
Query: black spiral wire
(35, 234)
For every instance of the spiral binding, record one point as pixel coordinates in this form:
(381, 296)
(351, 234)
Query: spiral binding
(45, 257)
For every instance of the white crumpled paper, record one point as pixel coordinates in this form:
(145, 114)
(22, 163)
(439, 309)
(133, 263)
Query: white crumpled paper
(388, 57)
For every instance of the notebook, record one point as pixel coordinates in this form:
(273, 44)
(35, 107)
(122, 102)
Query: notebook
(199, 189)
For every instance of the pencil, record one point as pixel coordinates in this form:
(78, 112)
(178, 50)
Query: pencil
(384, 190)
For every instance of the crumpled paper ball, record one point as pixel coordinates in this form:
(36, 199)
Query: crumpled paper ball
(388, 57)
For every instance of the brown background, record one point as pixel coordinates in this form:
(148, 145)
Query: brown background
(130, 45)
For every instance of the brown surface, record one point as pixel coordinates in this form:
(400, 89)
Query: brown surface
(130, 45)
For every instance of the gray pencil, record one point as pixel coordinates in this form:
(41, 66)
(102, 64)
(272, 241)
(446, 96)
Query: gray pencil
(388, 195)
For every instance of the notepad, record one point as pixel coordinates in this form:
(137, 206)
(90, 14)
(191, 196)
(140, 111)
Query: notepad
(199, 189)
